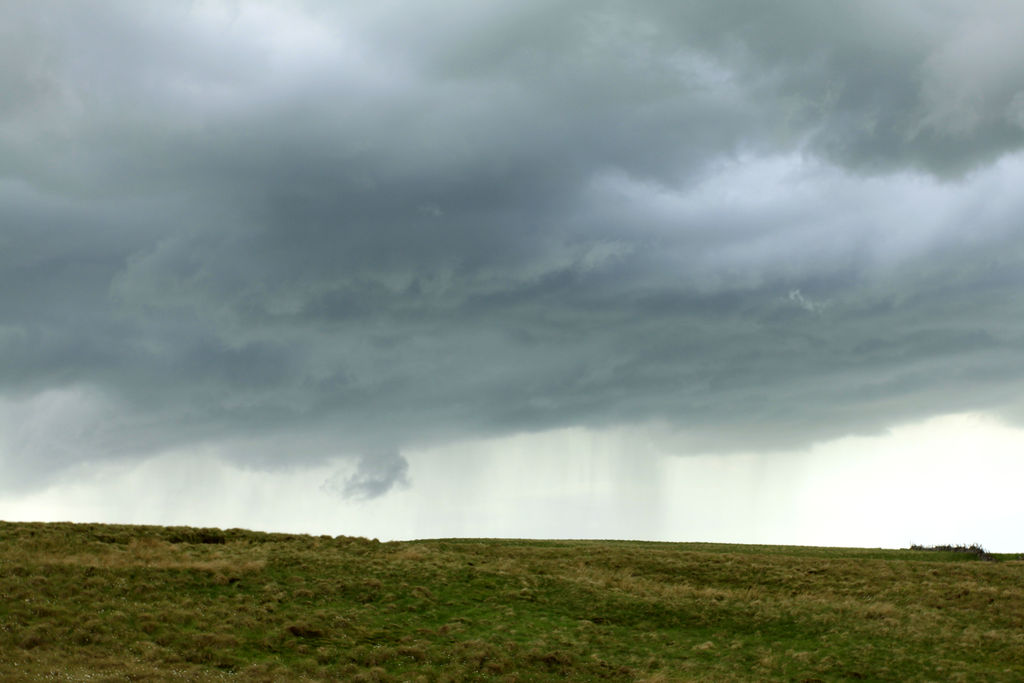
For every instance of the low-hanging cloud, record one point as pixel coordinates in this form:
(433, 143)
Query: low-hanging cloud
(376, 473)
(319, 224)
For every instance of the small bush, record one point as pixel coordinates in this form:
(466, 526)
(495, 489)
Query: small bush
(197, 536)
(973, 549)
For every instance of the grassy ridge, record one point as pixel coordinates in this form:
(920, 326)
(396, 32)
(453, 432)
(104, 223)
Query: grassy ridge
(155, 603)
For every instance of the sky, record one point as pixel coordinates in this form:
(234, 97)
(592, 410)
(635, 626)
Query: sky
(685, 271)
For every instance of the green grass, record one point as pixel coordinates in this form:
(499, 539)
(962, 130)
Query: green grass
(117, 603)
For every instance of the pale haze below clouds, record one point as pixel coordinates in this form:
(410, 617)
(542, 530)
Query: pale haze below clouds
(315, 237)
(889, 490)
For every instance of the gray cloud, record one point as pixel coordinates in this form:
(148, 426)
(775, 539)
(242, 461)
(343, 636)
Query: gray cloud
(323, 230)
(376, 474)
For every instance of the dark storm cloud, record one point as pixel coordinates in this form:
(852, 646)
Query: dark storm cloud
(347, 228)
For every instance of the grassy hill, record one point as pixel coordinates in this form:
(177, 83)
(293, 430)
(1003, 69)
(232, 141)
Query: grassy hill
(101, 602)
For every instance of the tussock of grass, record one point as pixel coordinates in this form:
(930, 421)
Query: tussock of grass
(95, 602)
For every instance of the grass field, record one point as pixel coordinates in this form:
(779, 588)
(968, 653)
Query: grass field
(100, 602)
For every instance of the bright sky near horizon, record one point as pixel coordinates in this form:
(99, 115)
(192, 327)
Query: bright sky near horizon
(716, 271)
(947, 480)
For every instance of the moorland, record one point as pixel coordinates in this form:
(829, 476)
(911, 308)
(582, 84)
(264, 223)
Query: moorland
(135, 603)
